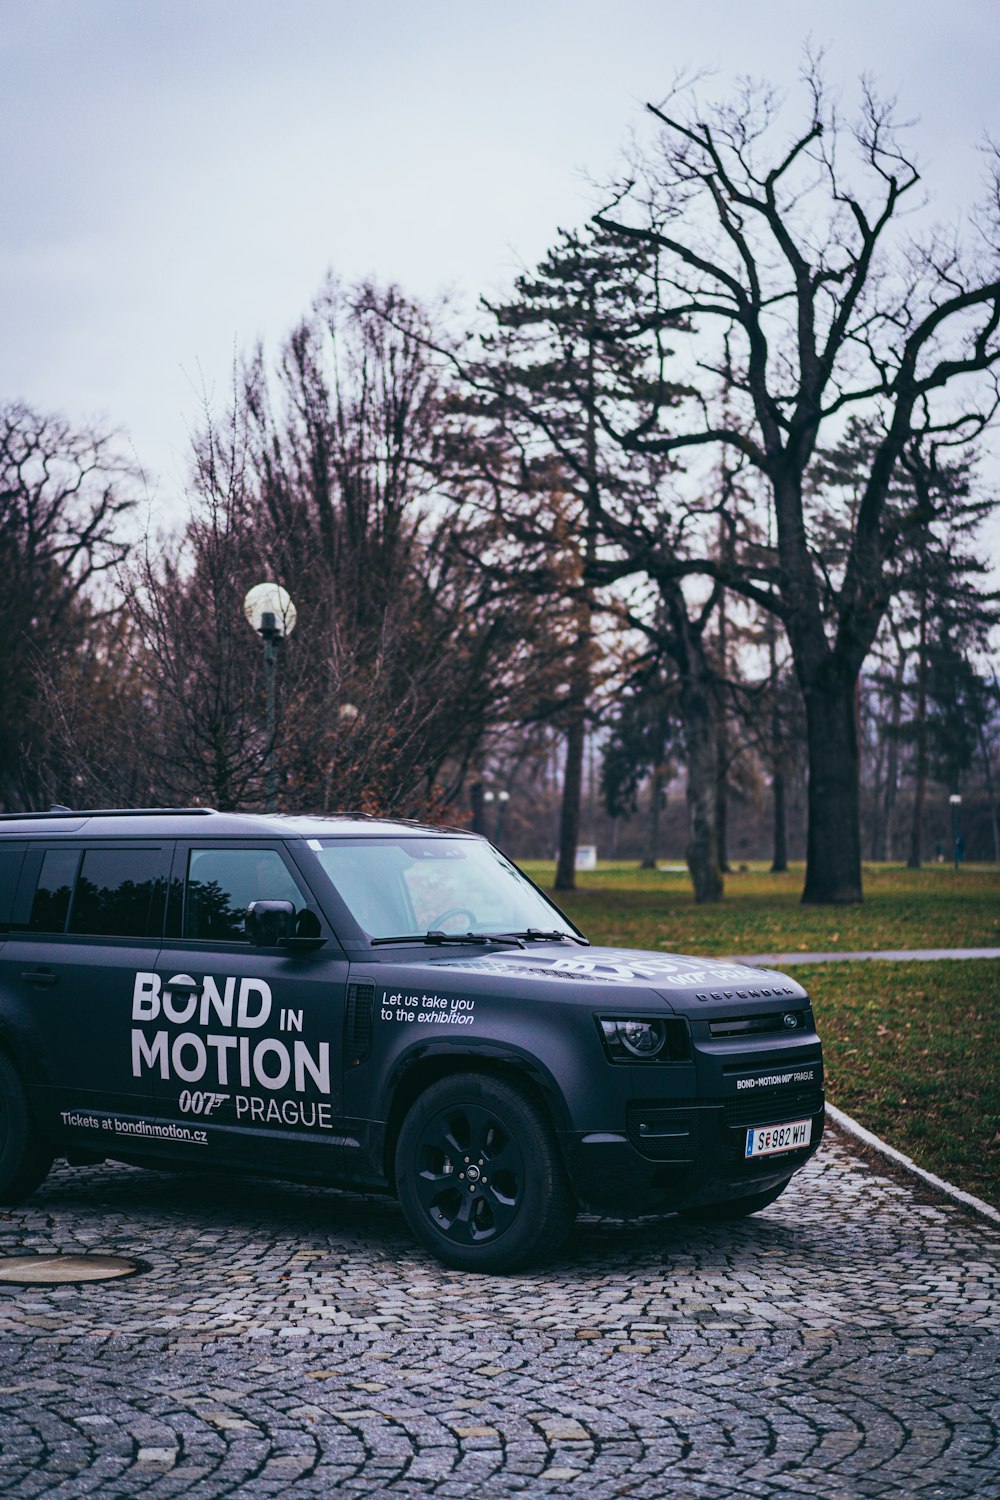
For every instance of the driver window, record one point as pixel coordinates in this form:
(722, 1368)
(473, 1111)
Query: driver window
(221, 883)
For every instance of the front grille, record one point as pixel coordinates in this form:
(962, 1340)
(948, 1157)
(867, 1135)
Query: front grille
(672, 1134)
(766, 1109)
(646, 1123)
(773, 1021)
(681, 1131)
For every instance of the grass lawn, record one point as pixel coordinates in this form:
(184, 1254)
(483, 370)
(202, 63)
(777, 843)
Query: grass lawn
(935, 907)
(911, 1048)
(911, 1052)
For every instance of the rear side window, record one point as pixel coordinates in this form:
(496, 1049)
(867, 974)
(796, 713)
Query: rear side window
(221, 883)
(55, 886)
(11, 859)
(118, 894)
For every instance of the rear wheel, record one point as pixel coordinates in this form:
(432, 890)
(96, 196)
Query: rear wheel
(479, 1175)
(24, 1159)
(733, 1208)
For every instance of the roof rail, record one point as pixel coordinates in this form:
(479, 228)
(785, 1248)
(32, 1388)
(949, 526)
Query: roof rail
(108, 812)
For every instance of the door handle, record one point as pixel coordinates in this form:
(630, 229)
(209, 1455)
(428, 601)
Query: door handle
(183, 984)
(41, 977)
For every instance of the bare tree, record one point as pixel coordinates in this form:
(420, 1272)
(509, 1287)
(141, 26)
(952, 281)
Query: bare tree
(64, 496)
(788, 262)
(195, 656)
(416, 641)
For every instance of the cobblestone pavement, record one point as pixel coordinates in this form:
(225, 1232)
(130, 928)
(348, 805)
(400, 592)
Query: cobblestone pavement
(286, 1340)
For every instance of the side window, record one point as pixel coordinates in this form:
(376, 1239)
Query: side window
(55, 886)
(11, 859)
(221, 883)
(119, 894)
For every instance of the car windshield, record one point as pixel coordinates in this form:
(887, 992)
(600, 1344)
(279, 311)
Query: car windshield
(408, 886)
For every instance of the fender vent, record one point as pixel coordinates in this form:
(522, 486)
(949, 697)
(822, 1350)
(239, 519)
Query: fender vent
(358, 1022)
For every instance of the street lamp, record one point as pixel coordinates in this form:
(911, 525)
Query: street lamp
(270, 611)
(956, 838)
(503, 798)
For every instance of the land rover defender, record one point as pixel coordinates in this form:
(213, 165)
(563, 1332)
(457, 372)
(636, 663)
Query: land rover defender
(384, 1006)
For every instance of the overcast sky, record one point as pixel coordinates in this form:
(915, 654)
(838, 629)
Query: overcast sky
(180, 174)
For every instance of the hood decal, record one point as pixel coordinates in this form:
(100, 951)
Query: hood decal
(537, 967)
(611, 965)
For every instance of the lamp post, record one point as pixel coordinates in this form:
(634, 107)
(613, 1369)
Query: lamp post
(503, 798)
(270, 611)
(956, 838)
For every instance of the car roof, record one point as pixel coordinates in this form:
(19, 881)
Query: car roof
(205, 822)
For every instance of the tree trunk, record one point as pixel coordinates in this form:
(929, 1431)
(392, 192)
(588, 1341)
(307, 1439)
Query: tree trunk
(697, 702)
(722, 792)
(698, 698)
(655, 797)
(920, 726)
(722, 725)
(892, 761)
(876, 826)
(779, 863)
(478, 807)
(569, 812)
(703, 847)
(222, 787)
(833, 857)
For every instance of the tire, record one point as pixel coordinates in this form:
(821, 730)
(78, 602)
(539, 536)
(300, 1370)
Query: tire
(733, 1208)
(24, 1159)
(479, 1175)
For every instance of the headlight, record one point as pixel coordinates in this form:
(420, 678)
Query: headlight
(644, 1038)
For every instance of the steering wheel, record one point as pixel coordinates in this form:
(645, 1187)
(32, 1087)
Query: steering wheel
(453, 911)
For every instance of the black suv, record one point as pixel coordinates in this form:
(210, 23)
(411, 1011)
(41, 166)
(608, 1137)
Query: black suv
(383, 1006)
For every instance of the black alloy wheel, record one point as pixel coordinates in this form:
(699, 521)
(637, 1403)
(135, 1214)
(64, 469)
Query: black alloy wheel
(479, 1175)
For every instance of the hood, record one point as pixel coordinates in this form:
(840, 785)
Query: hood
(666, 974)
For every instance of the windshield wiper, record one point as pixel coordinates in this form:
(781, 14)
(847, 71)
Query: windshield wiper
(529, 935)
(539, 935)
(478, 938)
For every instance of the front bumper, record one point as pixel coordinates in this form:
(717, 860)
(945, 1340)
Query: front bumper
(685, 1153)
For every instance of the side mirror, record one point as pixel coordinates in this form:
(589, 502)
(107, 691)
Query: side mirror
(272, 924)
(269, 923)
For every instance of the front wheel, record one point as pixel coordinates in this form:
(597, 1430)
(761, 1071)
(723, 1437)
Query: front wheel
(733, 1208)
(479, 1175)
(24, 1160)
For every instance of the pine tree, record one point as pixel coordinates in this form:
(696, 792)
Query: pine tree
(553, 365)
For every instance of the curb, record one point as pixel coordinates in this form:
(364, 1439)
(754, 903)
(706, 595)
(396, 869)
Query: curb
(851, 1127)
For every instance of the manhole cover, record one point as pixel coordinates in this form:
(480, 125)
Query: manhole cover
(53, 1270)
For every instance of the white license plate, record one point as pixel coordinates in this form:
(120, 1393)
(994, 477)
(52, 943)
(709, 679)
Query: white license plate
(768, 1140)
